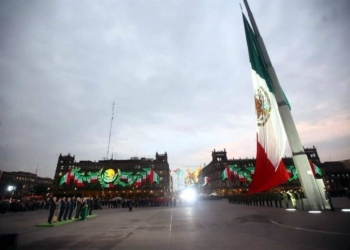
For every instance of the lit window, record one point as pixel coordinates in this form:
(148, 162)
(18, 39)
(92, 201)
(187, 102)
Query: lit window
(61, 167)
(60, 174)
(160, 172)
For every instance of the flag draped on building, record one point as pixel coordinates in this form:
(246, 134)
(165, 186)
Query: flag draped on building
(154, 177)
(271, 137)
(227, 173)
(315, 169)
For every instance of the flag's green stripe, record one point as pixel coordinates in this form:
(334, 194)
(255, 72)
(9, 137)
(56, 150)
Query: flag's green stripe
(255, 55)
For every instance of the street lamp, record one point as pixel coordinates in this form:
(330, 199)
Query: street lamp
(10, 189)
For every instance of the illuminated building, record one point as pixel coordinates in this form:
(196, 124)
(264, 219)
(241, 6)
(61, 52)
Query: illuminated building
(25, 183)
(334, 174)
(136, 177)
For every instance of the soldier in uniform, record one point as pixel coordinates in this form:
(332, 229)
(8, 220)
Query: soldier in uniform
(292, 198)
(299, 195)
(66, 211)
(62, 208)
(285, 198)
(71, 208)
(52, 207)
(276, 197)
(328, 198)
(78, 207)
(271, 197)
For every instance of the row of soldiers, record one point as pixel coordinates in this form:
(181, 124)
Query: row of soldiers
(270, 198)
(68, 208)
(139, 202)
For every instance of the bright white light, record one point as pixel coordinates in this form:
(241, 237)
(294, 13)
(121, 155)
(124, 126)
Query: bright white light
(314, 212)
(346, 210)
(188, 195)
(290, 209)
(10, 188)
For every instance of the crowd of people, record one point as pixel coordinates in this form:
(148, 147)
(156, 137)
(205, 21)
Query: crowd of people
(280, 198)
(21, 205)
(270, 198)
(137, 202)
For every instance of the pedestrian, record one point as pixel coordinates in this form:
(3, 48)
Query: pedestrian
(327, 195)
(52, 207)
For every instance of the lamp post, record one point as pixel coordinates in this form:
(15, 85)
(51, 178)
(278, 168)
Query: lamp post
(10, 189)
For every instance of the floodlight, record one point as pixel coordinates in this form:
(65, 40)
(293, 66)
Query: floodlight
(314, 212)
(188, 195)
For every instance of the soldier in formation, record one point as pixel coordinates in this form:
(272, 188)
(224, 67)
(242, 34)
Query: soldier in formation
(272, 198)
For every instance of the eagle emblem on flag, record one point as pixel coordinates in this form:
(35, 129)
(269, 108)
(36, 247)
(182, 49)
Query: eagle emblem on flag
(262, 106)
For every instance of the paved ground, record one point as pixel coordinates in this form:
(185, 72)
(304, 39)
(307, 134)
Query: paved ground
(208, 225)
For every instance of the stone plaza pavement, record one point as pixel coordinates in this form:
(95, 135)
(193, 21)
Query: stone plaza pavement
(208, 225)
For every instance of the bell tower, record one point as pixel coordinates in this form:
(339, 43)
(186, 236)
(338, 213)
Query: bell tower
(219, 156)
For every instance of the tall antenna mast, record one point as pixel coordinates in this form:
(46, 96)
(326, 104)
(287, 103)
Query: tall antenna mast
(36, 171)
(110, 130)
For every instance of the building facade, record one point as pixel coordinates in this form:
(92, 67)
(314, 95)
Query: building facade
(337, 177)
(24, 183)
(136, 177)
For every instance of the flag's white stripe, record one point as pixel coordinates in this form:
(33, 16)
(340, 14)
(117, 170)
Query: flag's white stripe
(272, 136)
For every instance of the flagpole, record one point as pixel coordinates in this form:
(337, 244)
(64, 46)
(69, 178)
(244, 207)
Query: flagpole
(306, 177)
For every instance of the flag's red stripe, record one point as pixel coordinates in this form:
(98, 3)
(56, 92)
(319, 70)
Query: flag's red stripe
(265, 176)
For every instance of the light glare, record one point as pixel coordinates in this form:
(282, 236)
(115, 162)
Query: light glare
(314, 212)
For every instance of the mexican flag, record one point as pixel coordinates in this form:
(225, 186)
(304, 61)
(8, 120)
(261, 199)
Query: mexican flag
(226, 174)
(93, 177)
(67, 177)
(251, 169)
(109, 185)
(271, 137)
(148, 172)
(315, 169)
(144, 176)
(241, 177)
(76, 177)
(138, 181)
(126, 176)
(80, 182)
(289, 171)
(206, 180)
(235, 172)
(178, 171)
(154, 177)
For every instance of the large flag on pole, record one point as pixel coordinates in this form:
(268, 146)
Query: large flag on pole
(271, 137)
